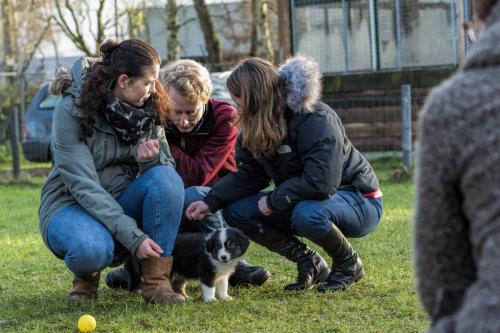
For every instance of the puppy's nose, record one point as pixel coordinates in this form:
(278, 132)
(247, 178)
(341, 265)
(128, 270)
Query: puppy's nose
(224, 257)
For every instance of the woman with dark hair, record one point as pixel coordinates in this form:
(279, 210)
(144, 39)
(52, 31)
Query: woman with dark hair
(113, 190)
(325, 190)
(457, 215)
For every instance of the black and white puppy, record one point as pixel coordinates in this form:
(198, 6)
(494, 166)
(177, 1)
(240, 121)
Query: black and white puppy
(210, 258)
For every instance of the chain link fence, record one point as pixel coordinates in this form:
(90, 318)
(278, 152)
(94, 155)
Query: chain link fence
(374, 35)
(16, 94)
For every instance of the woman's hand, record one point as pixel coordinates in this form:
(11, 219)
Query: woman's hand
(197, 210)
(148, 150)
(263, 206)
(148, 249)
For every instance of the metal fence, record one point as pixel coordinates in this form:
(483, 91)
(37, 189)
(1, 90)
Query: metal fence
(373, 124)
(373, 35)
(381, 123)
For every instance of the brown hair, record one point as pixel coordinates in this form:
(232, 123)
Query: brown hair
(129, 57)
(257, 84)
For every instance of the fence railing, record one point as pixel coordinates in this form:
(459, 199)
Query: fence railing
(366, 35)
(373, 124)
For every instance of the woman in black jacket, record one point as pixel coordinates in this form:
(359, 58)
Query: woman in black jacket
(324, 189)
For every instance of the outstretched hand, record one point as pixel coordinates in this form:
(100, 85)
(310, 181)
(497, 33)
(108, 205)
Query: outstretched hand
(148, 249)
(148, 150)
(197, 210)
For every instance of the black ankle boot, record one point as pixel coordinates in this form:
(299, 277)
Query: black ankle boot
(126, 278)
(343, 275)
(247, 274)
(312, 269)
(347, 267)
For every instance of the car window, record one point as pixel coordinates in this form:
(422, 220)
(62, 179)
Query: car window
(49, 101)
(220, 91)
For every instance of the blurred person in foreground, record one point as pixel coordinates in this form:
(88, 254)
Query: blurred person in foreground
(457, 221)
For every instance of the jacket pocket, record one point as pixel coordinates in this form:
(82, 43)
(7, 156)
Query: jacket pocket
(102, 146)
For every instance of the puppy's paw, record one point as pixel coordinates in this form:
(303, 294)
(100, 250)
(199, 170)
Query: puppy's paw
(209, 300)
(225, 298)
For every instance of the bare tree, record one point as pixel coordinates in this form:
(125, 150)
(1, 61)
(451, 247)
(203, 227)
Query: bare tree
(71, 17)
(135, 21)
(261, 40)
(7, 42)
(173, 27)
(212, 42)
(24, 26)
(236, 29)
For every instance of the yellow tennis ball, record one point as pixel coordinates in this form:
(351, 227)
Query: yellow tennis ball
(86, 323)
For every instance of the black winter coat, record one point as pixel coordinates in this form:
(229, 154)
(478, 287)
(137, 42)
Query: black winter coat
(315, 160)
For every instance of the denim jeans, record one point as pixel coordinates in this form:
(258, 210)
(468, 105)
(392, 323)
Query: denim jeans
(353, 214)
(155, 200)
(210, 222)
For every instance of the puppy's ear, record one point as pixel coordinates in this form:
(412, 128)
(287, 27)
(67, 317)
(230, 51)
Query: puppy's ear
(243, 240)
(209, 243)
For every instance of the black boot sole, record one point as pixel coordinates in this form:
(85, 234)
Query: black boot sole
(324, 287)
(252, 281)
(320, 278)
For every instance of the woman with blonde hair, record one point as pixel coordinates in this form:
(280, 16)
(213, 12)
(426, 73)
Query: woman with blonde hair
(201, 133)
(324, 189)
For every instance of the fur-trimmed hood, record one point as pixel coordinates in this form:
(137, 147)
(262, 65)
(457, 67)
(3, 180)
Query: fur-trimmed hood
(69, 81)
(301, 79)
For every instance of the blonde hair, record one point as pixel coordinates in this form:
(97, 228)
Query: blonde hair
(189, 78)
(257, 84)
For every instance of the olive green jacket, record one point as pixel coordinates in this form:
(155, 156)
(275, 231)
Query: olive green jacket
(92, 172)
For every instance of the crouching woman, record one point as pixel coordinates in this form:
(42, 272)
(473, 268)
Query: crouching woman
(113, 189)
(325, 190)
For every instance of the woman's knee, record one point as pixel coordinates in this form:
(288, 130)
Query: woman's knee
(195, 193)
(308, 221)
(166, 179)
(90, 256)
(234, 220)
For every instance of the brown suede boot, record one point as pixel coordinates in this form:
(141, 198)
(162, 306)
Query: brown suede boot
(156, 287)
(85, 287)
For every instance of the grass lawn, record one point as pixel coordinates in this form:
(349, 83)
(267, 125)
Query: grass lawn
(34, 284)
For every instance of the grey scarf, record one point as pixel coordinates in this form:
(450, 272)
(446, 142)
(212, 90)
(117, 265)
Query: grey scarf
(128, 122)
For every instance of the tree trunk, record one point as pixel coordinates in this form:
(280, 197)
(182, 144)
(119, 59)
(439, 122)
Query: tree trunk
(146, 24)
(212, 42)
(6, 37)
(173, 45)
(254, 35)
(267, 50)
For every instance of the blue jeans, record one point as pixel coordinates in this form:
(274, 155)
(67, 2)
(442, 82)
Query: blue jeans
(210, 222)
(353, 214)
(155, 200)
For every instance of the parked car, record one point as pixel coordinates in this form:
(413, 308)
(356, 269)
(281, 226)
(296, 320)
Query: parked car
(38, 118)
(37, 125)
(220, 91)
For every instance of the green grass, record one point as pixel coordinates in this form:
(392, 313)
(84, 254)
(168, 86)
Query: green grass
(34, 284)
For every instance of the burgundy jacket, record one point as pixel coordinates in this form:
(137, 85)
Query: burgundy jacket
(205, 154)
